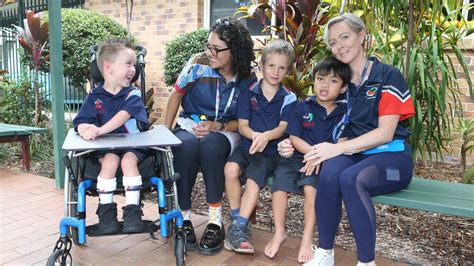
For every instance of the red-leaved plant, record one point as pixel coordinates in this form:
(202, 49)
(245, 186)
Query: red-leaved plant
(34, 40)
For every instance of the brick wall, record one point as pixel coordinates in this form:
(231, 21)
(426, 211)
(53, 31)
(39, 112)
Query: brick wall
(454, 146)
(154, 23)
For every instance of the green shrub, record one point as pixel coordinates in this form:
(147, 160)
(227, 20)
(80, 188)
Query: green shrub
(80, 30)
(17, 102)
(179, 50)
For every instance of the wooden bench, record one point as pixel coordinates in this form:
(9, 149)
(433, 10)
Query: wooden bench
(430, 195)
(14, 133)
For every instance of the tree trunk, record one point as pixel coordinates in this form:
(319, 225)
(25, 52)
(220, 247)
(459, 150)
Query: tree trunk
(411, 25)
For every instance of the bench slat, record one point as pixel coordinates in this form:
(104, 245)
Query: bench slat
(17, 130)
(430, 195)
(434, 196)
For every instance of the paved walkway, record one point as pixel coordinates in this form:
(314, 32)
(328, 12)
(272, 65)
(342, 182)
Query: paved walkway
(31, 208)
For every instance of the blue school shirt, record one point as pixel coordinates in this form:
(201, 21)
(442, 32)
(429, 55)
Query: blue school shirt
(264, 115)
(202, 85)
(100, 106)
(385, 92)
(310, 122)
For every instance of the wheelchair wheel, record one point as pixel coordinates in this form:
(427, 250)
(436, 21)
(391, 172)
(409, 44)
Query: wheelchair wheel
(56, 259)
(180, 248)
(72, 207)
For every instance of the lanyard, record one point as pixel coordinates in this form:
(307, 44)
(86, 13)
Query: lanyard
(362, 75)
(218, 100)
(336, 133)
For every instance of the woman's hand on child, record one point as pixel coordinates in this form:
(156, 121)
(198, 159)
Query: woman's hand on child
(259, 142)
(322, 152)
(285, 148)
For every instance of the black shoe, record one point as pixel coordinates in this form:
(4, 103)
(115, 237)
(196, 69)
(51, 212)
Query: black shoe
(191, 243)
(108, 223)
(132, 219)
(212, 240)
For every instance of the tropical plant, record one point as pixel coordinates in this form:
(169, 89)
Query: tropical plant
(33, 39)
(469, 175)
(301, 24)
(466, 128)
(426, 60)
(179, 50)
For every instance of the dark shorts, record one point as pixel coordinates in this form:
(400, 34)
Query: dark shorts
(288, 177)
(140, 153)
(255, 166)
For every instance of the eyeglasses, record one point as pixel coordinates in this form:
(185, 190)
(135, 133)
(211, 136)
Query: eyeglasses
(215, 51)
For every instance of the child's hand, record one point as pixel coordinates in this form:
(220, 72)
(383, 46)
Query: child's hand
(259, 142)
(310, 167)
(88, 131)
(285, 148)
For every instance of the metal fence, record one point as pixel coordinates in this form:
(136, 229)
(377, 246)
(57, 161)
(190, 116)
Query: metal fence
(10, 60)
(10, 57)
(15, 13)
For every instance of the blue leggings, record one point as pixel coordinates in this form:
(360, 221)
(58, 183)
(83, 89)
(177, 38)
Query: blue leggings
(208, 154)
(355, 179)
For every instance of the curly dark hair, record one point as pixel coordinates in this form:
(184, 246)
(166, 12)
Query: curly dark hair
(237, 37)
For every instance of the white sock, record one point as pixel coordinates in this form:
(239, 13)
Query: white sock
(133, 182)
(186, 214)
(106, 185)
(215, 215)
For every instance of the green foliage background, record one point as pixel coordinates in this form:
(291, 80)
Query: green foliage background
(80, 30)
(17, 102)
(179, 50)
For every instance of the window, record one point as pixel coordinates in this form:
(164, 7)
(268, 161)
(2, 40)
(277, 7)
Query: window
(215, 9)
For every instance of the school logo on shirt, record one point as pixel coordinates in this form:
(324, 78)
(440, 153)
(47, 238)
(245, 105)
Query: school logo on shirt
(308, 120)
(371, 93)
(99, 106)
(254, 103)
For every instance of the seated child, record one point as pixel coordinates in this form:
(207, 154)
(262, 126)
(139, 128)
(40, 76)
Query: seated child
(312, 122)
(262, 111)
(114, 106)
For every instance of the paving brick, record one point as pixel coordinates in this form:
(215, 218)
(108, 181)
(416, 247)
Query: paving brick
(8, 256)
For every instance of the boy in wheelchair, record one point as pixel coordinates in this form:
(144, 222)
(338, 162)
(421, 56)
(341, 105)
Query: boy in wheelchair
(115, 106)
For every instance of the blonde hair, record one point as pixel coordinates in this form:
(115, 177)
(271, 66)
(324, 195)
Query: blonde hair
(353, 21)
(280, 47)
(109, 50)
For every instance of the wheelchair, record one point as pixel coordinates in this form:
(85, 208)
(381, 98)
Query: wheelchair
(82, 168)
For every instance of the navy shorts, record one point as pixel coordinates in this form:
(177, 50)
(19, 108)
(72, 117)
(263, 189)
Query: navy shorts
(140, 153)
(288, 177)
(255, 166)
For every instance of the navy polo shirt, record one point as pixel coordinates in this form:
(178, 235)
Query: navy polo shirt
(200, 83)
(311, 123)
(264, 115)
(100, 106)
(385, 92)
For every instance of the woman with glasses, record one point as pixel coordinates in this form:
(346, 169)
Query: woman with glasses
(375, 159)
(208, 97)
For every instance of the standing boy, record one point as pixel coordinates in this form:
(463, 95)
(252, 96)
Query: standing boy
(115, 107)
(262, 111)
(314, 121)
